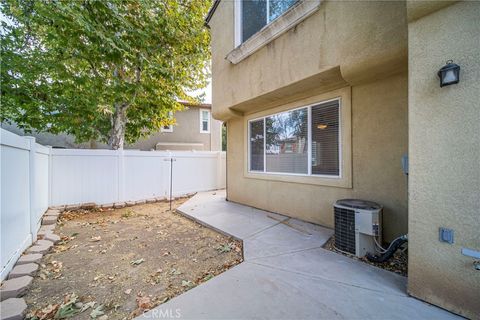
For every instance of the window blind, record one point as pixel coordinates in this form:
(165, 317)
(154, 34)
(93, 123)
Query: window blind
(325, 138)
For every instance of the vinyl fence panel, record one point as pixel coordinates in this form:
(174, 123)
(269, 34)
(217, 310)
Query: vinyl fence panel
(34, 177)
(15, 217)
(81, 176)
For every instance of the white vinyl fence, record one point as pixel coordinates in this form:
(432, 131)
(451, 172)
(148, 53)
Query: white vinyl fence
(34, 177)
(24, 194)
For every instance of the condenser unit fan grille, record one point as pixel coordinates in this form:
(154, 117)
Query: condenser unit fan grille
(345, 230)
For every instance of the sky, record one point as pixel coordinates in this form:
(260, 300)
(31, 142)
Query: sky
(207, 91)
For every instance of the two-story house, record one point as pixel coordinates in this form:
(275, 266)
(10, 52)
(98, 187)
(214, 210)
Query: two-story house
(194, 129)
(325, 100)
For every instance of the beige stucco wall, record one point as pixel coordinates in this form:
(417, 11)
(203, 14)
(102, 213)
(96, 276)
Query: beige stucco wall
(186, 130)
(357, 44)
(379, 139)
(349, 41)
(445, 158)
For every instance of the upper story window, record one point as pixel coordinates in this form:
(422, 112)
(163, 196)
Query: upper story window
(258, 22)
(204, 121)
(255, 14)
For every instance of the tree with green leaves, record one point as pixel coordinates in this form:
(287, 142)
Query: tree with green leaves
(100, 70)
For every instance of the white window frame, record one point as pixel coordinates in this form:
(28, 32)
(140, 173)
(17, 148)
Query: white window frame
(170, 127)
(344, 178)
(309, 140)
(209, 120)
(272, 30)
(238, 19)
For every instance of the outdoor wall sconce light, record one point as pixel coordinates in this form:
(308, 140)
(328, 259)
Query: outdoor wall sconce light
(449, 74)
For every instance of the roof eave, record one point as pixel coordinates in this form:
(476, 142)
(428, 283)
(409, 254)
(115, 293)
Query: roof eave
(211, 12)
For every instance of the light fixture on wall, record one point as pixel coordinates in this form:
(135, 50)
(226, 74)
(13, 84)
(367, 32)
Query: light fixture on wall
(449, 74)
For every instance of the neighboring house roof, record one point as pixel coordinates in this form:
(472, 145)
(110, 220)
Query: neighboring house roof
(198, 105)
(211, 11)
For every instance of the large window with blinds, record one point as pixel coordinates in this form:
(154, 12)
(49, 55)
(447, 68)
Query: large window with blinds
(302, 141)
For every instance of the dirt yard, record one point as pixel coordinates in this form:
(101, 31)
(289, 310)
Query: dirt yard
(118, 263)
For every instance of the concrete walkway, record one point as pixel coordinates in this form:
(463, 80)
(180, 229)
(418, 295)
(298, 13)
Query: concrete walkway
(286, 274)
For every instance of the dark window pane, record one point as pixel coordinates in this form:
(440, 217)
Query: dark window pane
(278, 7)
(254, 17)
(325, 139)
(256, 145)
(287, 144)
(205, 125)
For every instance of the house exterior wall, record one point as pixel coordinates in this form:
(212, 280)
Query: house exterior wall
(185, 136)
(444, 139)
(48, 139)
(361, 46)
(379, 139)
(342, 43)
(186, 130)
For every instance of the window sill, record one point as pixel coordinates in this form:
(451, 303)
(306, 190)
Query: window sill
(340, 182)
(270, 32)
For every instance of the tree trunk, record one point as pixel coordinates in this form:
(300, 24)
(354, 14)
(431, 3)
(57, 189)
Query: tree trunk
(119, 123)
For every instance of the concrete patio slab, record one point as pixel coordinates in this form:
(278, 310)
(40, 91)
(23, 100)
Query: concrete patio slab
(326, 265)
(14, 288)
(281, 239)
(250, 291)
(13, 309)
(286, 275)
(230, 218)
(30, 258)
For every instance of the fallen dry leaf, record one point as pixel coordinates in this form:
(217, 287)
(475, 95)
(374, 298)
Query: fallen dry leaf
(46, 313)
(144, 303)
